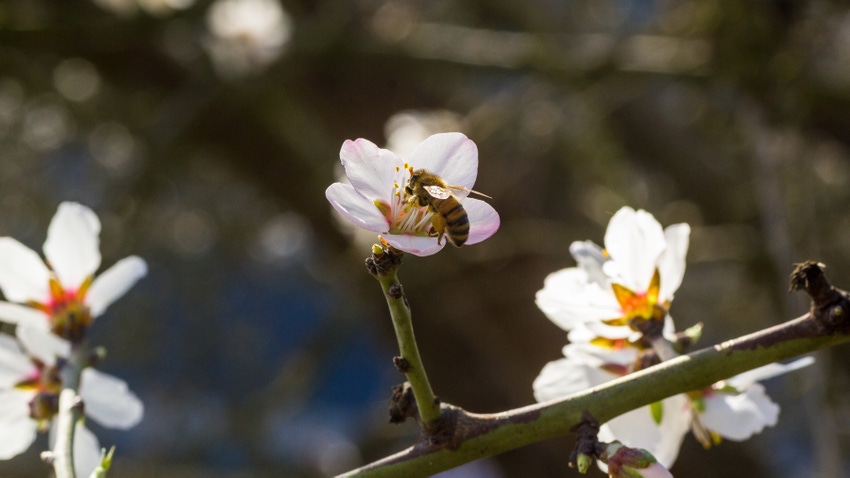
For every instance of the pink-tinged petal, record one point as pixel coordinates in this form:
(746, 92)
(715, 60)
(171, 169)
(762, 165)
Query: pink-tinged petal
(43, 345)
(765, 372)
(355, 208)
(23, 316)
(370, 169)
(14, 365)
(114, 283)
(483, 220)
(416, 245)
(17, 429)
(86, 450)
(452, 156)
(109, 401)
(23, 274)
(72, 247)
(634, 240)
(738, 417)
(638, 429)
(671, 264)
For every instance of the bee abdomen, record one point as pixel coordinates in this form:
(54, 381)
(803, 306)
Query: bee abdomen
(457, 224)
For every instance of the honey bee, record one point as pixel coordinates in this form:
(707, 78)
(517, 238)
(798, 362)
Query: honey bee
(429, 190)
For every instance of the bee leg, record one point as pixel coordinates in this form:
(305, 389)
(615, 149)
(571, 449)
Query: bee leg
(438, 228)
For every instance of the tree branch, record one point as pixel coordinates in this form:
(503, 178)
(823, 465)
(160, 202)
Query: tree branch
(477, 436)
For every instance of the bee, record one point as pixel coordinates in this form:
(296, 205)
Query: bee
(429, 190)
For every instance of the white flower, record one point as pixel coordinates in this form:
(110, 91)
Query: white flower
(247, 35)
(633, 278)
(376, 199)
(64, 297)
(29, 390)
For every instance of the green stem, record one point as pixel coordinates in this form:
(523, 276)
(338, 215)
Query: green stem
(427, 403)
(477, 435)
(70, 412)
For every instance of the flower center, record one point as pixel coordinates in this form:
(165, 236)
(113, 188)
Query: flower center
(69, 314)
(45, 385)
(638, 306)
(403, 215)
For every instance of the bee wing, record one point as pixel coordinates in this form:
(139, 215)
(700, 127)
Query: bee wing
(438, 192)
(468, 191)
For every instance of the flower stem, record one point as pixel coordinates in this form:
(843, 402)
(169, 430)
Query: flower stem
(70, 412)
(384, 266)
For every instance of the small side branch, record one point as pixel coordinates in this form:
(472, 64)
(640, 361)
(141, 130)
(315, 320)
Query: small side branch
(383, 265)
(70, 412)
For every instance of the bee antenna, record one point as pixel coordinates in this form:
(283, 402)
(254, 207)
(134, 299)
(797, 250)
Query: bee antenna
(472, 191)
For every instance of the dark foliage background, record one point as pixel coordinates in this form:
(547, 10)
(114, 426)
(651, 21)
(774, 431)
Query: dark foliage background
(258, 342)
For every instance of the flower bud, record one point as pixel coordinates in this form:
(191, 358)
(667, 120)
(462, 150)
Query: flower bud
(625, 462)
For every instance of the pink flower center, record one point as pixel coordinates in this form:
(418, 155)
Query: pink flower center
(69, 314)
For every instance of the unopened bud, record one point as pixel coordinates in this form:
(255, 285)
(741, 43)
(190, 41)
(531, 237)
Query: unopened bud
(625, 462)
(583, 462)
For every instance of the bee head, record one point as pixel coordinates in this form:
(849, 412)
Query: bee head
(414, 178)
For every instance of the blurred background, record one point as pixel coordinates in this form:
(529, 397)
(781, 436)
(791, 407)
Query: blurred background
(204, 134)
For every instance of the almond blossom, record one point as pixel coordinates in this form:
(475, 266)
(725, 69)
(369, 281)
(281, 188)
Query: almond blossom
(376, 199)
(602, 303)
(63, 295)
(29, 393)
(634, 278)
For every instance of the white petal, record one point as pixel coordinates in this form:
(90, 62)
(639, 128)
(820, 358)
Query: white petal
(765, 372)
(416, 245)
(73, 244)
(637, 429)
(590, 258)
(14, 365)
(23, 274)
(596, 356)
(483, 220)
(108, 401)
(23, 316)
(738, 417)
(370, 169)
(114, 283)
(560, 378)
(355, 208)
(86, 450)
(568, 299)
(452, 156)
(671, 264)
(17, 429)
(43, 345)
(634, 240)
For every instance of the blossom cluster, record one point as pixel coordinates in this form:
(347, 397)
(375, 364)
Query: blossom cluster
(615, 307)
(53, 304)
